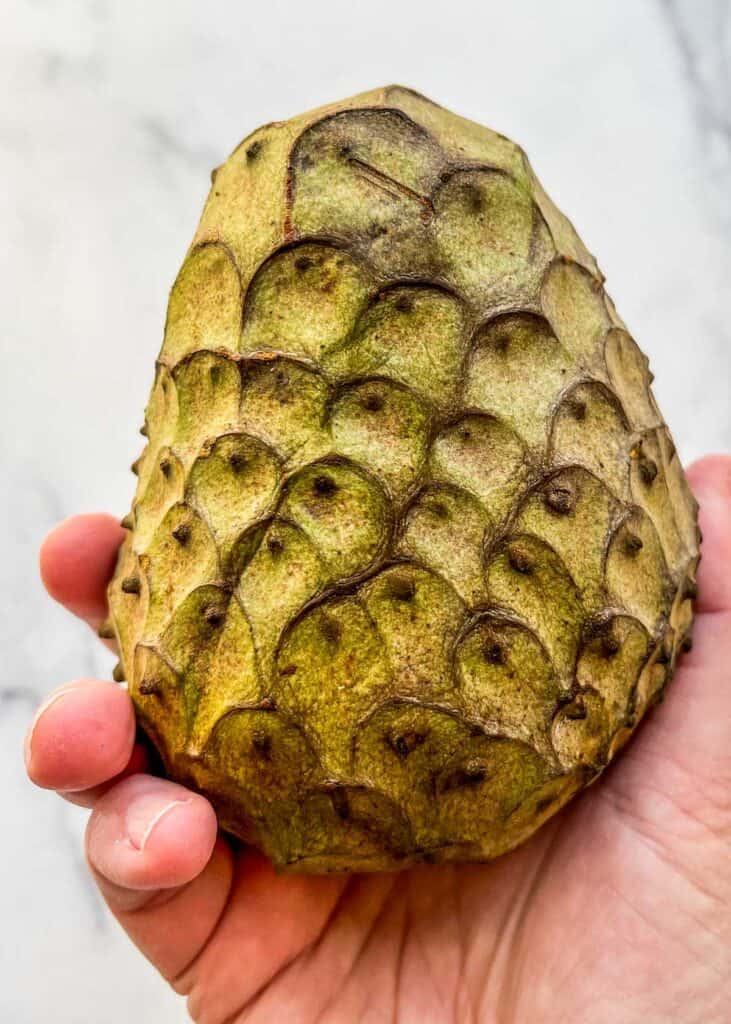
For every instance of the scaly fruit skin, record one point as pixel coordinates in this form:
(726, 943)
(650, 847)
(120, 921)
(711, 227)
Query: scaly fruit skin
(411, 551)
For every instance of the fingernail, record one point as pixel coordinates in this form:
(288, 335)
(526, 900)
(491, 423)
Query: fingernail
(28, 743)
(144, 815)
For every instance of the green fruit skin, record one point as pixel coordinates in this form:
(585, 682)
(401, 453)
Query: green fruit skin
(411, 551)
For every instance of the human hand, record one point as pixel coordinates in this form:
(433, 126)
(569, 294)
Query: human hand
(618, 909)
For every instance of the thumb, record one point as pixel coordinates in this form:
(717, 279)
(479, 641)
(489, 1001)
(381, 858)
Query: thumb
(681, 758)
(152, 848)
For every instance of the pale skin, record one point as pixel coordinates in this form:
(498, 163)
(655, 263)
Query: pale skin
(617, 910)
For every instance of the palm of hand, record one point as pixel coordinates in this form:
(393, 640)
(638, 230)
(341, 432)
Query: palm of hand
(597, 919)
(619, 909)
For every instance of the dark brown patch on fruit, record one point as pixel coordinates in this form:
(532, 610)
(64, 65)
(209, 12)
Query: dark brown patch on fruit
(520, 559)
(559, 499)
(181, 533)
(576, 710)
(473, 197)
(577, 408)
(324, 486)
(402, 588)
(214, 616)
(261, 744)
(376, 230)
(610, 644)
(339, 800)
(494, 652)
(330, 629)
(648, 469)
(632, 544)
(131, 585)
(470, 774)
(237, 462)
(403, 743)
(373, 402)
(274, 546)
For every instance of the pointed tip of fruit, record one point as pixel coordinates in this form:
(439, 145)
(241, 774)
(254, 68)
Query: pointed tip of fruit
(118, 673)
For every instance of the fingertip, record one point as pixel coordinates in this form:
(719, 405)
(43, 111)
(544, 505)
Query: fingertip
(77, 559)
(710, 480)
(139, 763)
(148, 833)
(711, 473)
(81, 736)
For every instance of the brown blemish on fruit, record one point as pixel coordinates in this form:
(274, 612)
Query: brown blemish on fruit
(648, 470)
(213, 616)
(237, 462)
(404, 743)
(577, 408)
(520, 559)
(401, 588)
(493, 652)
(261, 744)
(632, 544)
(324, 486)
(559, 499)
(181, 533)
(470, 774)
(131, 585)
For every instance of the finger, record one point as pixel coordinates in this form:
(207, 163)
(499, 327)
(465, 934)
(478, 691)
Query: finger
(683, 748)
(710, 480)
(77, 560)
(148, 834)
(139, 763)
(81, 737)
(699, 698)
(151, 845)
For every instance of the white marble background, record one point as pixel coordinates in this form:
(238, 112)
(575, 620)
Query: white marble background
(111, 116)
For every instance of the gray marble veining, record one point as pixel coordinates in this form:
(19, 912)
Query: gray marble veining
(111, 118)
(704, 46)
